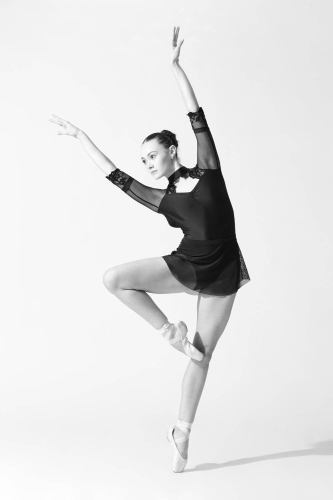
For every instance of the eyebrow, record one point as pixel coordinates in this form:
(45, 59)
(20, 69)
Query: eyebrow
(148, 154)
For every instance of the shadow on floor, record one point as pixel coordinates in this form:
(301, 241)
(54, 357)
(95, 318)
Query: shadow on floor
(319, 448)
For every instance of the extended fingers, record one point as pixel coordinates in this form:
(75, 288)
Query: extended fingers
(61, 120)
(175, 35)
(58, 117)
(57, 122)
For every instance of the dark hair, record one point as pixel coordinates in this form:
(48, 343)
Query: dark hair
(166, 138)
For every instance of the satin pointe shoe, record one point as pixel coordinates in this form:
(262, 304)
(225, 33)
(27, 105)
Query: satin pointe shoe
(177, 333)
(178, 462)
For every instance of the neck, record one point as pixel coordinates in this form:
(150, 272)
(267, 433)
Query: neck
(176, 165)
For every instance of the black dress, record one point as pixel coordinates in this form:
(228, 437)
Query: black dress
(208, 258)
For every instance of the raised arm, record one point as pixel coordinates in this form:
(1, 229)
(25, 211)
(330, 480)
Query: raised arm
(207, 156)
(185, 87)
(145, 195)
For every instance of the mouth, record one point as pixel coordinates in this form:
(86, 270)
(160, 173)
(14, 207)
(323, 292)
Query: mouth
(154, 171)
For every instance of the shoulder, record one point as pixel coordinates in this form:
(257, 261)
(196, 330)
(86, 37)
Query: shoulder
(196, 172)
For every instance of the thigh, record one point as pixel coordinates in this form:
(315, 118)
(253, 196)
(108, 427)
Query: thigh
(213, 314)
(149, 275)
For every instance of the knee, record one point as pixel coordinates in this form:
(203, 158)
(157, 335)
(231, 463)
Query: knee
(203, 347)
(111, 279)
(204, 363)
(207, 352)
(207, 356)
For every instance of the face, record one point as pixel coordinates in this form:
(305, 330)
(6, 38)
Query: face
(157, 159)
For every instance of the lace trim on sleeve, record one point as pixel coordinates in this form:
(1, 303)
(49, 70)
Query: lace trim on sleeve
(120, 179)
(196, 172)
(198, 120)
(207, 156)
(197, 116)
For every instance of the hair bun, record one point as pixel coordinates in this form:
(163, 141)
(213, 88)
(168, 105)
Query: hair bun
(171, 135)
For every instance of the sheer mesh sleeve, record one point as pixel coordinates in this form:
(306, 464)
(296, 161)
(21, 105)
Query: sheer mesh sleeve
(207, 156)
(145, 195)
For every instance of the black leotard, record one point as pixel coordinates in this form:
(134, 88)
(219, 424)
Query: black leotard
(208, 258)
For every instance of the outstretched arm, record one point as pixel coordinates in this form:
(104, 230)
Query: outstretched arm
(186, 89)
(99, 158)
(145, 195)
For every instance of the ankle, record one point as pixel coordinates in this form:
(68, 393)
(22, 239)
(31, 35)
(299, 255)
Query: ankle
(184, 426)
(180, 430)
(180, 433)
(168, 330)
(184, 423)
(164, 327)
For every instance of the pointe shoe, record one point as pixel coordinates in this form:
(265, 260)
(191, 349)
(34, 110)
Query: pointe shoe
(178, 462)
(181, 336)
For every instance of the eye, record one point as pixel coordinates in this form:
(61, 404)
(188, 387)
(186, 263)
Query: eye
(152, 156)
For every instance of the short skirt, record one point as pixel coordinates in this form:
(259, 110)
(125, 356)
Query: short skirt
(212, 267)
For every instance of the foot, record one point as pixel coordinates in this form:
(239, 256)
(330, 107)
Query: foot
(179, 445)
(182, 447)
(176, 335)
(177, 345)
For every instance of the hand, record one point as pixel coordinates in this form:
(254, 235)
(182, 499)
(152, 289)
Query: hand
(175, 50)
(67, 127)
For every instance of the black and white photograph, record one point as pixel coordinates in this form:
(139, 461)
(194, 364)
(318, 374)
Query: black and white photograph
(166, 248)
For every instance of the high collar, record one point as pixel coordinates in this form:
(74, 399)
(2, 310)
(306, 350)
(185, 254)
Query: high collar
(180, 172)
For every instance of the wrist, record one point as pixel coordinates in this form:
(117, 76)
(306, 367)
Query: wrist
(174, 64)
(80, 134)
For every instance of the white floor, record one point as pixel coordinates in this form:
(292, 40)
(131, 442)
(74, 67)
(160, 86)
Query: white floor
(65, 456)
(85, 410)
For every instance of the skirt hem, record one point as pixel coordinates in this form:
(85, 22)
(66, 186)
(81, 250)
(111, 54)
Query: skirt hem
(211, 267)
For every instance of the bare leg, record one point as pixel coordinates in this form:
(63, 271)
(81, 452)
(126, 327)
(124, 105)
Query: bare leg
(129, 282)
(212, 317)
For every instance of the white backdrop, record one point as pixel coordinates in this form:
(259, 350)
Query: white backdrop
(88, 389)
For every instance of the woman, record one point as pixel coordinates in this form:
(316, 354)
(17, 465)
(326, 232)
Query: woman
(208, 262)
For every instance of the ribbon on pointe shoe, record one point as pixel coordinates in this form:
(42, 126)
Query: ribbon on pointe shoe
(185, 427)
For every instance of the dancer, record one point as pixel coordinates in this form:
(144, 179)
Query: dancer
(208, 262)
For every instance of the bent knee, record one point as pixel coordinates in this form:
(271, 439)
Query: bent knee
(205, 360)
(207, 356)
(111, 279)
